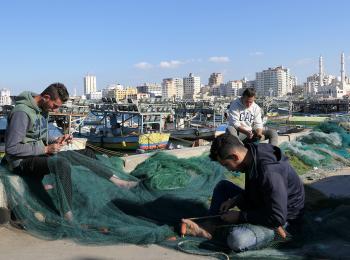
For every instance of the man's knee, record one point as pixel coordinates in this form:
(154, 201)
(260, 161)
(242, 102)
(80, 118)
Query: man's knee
(247, 237)
(222, 186)
(241, 239)
(272, 136)
(231, 130)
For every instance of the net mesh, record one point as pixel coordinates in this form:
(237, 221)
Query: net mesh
(105, 213)
(170, 189)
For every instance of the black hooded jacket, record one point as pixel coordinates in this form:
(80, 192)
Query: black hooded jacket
(273, 192)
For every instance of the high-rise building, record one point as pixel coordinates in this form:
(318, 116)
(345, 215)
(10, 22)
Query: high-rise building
(119, 92)
(168, 88)
(215, 79)
(192, 86)
(89, 84)
(172, 87)
(273, 82)
(231, 88)
(153, 89)
(179, 85)
(94, 95)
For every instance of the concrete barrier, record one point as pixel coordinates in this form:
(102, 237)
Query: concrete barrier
(130, 162)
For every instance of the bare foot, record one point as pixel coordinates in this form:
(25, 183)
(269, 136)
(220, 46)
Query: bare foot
(127, 184)
(123, 184)
(194, 230)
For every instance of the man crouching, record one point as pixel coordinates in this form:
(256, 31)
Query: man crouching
(271, 204)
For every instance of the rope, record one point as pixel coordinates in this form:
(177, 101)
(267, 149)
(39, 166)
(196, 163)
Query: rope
(219, 255)
(105, 151)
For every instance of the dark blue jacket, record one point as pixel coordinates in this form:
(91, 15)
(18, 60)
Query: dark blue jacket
(273, 192)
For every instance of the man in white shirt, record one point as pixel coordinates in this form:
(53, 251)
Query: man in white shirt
(245, 121)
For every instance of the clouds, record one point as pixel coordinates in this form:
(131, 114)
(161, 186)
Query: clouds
(170, 64)
(173, 64)
(219, 59)
(143, 65)
(256, 53)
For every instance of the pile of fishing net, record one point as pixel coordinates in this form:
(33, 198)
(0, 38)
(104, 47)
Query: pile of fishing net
(326, 146)
(171, 189)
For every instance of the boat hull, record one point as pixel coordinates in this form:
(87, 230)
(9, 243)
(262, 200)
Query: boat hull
(193, 133)
(150, 141)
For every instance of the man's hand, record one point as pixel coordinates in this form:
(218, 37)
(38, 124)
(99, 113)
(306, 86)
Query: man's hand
(226, 205)
(231, 216)
(64, 139)
(53, 148)
(250, 135)
(260, 136)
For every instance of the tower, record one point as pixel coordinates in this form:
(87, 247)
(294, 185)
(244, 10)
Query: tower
(342, 68)
(321, 73)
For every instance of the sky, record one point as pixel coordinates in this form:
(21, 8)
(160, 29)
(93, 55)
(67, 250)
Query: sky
(131, 42)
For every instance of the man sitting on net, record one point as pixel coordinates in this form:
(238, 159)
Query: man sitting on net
(245, 121)
(271, 203)
(28, 149)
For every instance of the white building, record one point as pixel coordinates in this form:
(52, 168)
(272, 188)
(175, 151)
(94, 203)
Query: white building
(171, 84)
(192, 86)
(273, 82)
(5, 97)
(232, 88)
(293, 82)
(89, 84)
(327, 86)
(94, 95)
(216, 90)
(154, 89)
(215, 79)
(168, 88)
(179, 85)
(248, 83)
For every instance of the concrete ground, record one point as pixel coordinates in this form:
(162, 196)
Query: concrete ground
(17, 244)
(331, 183)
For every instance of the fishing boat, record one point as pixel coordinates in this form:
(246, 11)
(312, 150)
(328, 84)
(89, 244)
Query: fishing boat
(128, 127)
(205, 133)
(149, 141)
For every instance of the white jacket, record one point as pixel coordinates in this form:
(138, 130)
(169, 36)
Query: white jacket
(249, 118)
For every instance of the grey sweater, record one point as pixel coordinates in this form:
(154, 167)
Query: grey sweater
(15, 149)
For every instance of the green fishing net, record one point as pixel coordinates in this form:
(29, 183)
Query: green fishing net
(169, 189)
(326, 146)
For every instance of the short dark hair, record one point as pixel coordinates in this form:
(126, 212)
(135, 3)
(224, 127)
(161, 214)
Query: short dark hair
(56, 90)
(222, 145)
(249, 92)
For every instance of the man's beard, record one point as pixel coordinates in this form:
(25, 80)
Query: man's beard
(44, 107)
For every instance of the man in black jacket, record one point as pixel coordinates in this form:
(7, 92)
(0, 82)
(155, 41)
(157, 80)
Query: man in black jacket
(273, 198)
